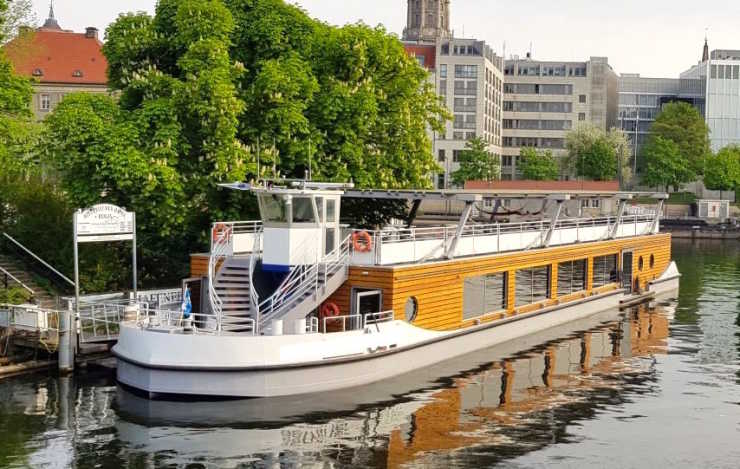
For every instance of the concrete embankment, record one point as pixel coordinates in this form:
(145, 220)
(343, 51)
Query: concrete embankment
(728, 232)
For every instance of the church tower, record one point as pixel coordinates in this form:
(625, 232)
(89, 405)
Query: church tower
(705, 52)
(427, 20)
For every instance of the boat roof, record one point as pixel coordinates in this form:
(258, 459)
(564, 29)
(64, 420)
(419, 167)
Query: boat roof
(464, 195)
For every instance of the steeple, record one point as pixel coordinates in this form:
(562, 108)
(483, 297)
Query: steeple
(427, 20)
(51, 22)
(705, 54)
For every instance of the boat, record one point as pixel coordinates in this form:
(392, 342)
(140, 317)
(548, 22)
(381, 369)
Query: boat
(299, 303)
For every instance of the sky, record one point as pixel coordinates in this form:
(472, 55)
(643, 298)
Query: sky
(655, 38)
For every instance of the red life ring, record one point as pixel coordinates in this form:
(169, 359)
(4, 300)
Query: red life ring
(220, 231)
(362, 241)
(329, 310)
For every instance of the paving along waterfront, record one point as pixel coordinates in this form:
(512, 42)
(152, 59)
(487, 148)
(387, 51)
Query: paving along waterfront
(655, 385)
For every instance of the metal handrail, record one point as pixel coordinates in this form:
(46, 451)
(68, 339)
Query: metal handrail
(364, 320)
(12, 277)
(304, 279)
(219, 248)
(46, 264)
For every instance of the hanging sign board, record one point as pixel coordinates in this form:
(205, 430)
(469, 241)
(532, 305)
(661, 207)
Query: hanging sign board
(104, 222)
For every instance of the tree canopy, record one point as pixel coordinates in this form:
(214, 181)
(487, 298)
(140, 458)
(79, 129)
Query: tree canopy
(204, 86)
(477, 163)
(538, 166)
(684, 125)
(665, 166)
(598, 155)
(722, 172)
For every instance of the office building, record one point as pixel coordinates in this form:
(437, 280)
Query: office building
(60, 61)
(544, 100)
(468, 74)
(717, 79)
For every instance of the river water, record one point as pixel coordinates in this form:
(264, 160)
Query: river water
(654, 387)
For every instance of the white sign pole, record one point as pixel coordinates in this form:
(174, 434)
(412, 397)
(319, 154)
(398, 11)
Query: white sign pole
(136, 289)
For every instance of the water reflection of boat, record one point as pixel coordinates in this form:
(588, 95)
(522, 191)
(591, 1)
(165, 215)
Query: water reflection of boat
(505, 387)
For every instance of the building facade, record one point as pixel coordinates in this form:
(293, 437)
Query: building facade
(641, 99)
(60, 62)
(717, 79)
(427, 21)
(545, 100)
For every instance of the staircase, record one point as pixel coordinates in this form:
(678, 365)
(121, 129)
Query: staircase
(40, 295)
(233, 287)
(307, 287)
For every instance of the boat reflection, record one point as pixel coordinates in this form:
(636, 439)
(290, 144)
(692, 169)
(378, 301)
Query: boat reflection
(514, 398)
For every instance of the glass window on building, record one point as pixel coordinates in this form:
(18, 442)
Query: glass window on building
(582, 98)
(721, 72)
(443, 71)
(45, 102)
(572, 277)
(735, 72)
(440, 181)
(466, 71)
(442, 155)
(532, 285)
(605, 270)
(581, 116)
(713, 73)
(483, 295)
(456, 155)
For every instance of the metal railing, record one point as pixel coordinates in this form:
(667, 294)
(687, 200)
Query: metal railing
(7, 275)
(445, 233)
(44, 322)
(37, 258)
(220, 248)
(355, 321)
(304, 280)
(198, 323)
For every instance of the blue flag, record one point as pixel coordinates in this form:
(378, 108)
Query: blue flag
(187, 305)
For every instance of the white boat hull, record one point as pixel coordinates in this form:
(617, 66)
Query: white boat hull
(159, 363)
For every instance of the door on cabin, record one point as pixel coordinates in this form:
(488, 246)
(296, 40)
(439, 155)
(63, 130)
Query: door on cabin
(367, 302)
(627, 270)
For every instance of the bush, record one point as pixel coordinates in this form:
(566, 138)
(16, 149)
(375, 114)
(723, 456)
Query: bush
(14, 296)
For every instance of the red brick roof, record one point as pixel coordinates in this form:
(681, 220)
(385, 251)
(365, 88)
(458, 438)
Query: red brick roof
(555, 186)
(429, 53)
(60, 56)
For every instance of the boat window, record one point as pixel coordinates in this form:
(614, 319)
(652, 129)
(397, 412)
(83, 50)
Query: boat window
(273, 208)
(571, 277)
(411, 309)
(640, 264)
(303, 210)
(320, 208)
(605, 270)
(532, 285)
(652, 260)
(331, 210)
(483, 295)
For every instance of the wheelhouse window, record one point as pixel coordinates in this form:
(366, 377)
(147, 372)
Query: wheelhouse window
(532, 285)
(303, 210)
(483, 295)
(273, 208)
(605, 270)
(571, 277)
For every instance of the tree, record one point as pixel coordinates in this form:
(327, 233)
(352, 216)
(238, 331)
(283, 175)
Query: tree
(722, 172)
(538, 166)
(598, 155)
(682, 124)
(477, 163)
(665, 166)
(16, 15)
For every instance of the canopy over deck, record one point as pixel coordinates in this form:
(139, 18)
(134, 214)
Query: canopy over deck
(463, 195)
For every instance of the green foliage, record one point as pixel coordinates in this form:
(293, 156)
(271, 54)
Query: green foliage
(538, 166)
(15, 15)
(682, 124)
(14, 295)
(665, 166)
(722, 171)
(598, 155)
(477, 163)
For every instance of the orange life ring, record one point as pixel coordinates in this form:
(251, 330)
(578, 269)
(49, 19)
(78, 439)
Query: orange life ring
(329, 310)
(220, 231)
(362, 241)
